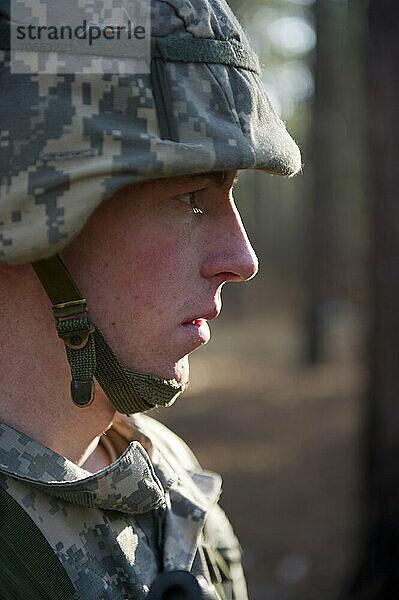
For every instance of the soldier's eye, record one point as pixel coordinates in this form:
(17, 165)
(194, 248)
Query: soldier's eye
(189, 198)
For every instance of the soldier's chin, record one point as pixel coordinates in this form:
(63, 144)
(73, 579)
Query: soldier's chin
(181, 370)
(178, 370)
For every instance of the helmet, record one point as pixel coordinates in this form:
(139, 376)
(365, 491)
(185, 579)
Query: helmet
(75, 138)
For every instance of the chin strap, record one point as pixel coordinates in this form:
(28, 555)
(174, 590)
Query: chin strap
(73, 324)
(89, 354)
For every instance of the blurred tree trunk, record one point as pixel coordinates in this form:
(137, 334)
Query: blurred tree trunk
(378, 576)
(337, 221)
(320, 250)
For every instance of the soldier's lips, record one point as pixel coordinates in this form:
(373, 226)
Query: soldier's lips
(206, 316)
(197, 322)
(198, 331)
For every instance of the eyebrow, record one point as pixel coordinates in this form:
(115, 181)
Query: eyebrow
(219, 177)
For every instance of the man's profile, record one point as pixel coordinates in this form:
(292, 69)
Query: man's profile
(118, 229)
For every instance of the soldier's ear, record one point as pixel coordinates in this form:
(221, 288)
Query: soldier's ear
(18, 271)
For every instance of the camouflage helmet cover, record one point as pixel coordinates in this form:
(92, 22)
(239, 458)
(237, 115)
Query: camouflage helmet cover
(68, 141)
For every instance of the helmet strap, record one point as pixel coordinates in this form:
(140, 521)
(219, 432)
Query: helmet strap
(89, 354)
(73, 324)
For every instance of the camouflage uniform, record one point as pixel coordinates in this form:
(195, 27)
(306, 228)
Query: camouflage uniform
(116, 530)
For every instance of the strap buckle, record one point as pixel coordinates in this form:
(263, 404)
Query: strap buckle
(73, 323)
(76, 339)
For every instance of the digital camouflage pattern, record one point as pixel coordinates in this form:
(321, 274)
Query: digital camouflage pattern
(116, 530)
(68, 141)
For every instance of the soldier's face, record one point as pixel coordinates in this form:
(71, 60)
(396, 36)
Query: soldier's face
(151, 263)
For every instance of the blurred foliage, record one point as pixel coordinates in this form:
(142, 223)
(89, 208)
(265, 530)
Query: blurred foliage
(282, 33)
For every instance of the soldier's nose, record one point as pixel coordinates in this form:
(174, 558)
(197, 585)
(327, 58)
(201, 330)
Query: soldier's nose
(232, 257)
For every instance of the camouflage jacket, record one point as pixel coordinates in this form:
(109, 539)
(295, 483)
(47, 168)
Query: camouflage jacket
(114, 531)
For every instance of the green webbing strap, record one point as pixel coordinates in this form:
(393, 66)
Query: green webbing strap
(73, 326)
(81, 360)
(205, 50)
(131, 391)
(29, 568)
(56, 280)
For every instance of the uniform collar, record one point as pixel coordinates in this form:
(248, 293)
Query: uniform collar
(133, 484)
(129, 484)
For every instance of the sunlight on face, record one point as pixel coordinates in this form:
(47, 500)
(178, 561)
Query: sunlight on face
(154, 281)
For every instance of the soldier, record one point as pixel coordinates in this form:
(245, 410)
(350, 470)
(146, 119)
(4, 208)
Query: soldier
(117, 223)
